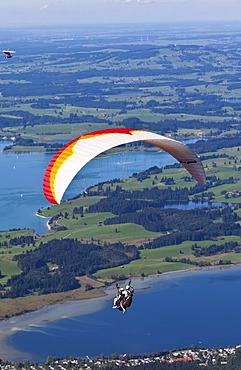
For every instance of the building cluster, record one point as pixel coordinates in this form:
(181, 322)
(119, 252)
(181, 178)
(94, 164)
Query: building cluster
(233, 194)
(205, 357)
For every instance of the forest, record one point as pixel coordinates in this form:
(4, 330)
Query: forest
(54, 266)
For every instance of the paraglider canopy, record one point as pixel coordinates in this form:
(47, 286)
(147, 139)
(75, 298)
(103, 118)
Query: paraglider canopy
(69, 160)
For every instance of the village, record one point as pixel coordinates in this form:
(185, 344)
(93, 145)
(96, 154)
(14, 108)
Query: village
(202, 357)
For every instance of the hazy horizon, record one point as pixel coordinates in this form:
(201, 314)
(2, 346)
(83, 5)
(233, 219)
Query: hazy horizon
(23, 13)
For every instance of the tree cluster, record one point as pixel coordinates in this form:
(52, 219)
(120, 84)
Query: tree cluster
(23, 239)
(215, 249)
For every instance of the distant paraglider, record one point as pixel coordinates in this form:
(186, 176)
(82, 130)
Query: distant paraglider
(8, 53)
(76, 154)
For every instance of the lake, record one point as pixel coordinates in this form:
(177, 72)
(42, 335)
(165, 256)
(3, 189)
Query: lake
(180, 309)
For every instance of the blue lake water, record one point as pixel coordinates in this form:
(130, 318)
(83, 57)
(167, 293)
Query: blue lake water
(181, 309)
(21, 192)
(192, 205)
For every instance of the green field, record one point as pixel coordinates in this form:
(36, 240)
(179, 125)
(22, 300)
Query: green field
(152, 261)
(8, 266)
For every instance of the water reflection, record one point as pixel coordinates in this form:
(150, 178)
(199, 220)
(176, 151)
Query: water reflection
(192, 205)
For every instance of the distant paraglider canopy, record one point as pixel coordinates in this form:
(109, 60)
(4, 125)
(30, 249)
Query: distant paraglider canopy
(77, 153)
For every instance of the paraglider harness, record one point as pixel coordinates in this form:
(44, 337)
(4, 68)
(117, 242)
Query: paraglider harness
(125, 302)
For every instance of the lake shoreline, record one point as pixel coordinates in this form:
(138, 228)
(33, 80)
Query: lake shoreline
(99, 292)
(51, 313)
(48, 227)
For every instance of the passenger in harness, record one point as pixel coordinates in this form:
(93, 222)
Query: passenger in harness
(123, 299)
